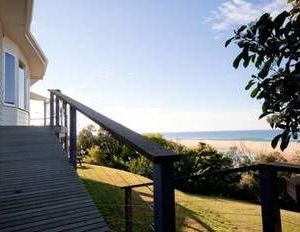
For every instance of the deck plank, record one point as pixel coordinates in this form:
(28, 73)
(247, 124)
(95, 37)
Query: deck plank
(39, 190)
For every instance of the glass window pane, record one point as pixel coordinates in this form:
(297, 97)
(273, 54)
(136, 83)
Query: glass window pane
(22, 86)
(9, 79)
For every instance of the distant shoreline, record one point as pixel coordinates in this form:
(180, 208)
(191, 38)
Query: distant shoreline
(255, 147)
(229, 135)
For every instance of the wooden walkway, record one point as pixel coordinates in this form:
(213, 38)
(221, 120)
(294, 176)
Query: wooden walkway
(39, 190)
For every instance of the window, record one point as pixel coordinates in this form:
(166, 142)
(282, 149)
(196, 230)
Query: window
(22, 86)
(9, 89)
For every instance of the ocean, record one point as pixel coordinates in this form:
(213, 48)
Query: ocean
(243, 135)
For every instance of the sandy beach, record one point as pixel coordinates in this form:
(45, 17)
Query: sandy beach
(256, 147)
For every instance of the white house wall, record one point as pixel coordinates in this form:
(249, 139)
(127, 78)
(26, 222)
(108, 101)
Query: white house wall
(1, 79)
(11, 115)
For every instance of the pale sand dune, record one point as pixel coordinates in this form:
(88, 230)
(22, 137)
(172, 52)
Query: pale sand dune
(248, 146)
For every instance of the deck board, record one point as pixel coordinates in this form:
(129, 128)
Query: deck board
(39, 190)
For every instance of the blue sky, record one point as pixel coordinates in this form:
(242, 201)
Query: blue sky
(151, 65)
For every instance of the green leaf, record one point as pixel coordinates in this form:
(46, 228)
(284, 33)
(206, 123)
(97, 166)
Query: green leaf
(241, 29)
(263, 115)
(237, 60)
(228, 42)
(265, 106)
(259, 60)
(279, 20)
(279, 61)
(275, 140)
(255, 92)
(246, 61)
(281, 126)
(285, 142)
(249, 85)
(265, 70)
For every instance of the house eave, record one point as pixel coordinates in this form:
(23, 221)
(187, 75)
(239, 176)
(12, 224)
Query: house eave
(16, 18)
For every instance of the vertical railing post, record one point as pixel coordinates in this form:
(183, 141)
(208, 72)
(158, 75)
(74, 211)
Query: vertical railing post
(65, 113)
(164, 199)
(73, 138)
(128, 209)
(270, 207)
(45, 112)
(57, 111)
(51, 109)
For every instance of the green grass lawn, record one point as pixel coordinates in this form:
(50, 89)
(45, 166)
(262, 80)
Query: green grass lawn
(193, 212)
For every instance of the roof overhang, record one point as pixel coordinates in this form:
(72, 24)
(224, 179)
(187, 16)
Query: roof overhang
(38, 97)
(15, 17)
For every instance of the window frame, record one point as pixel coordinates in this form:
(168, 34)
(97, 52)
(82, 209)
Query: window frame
(12, 53)
(20, 61)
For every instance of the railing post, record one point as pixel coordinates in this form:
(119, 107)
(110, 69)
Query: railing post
(164, 199)
(57, 111)
(128, 209)
(45, 112)
(73, 138)
(51, 109)
(65, 125)
(270, 207)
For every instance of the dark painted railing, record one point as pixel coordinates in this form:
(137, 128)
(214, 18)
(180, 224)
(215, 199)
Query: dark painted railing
(163, 181)
(270, 208)
(164, 200)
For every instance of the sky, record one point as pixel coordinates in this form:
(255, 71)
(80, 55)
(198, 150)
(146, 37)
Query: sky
(153, 66)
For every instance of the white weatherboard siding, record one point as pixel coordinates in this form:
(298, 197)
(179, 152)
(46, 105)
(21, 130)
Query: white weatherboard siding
(26, 61)
(1, 79)
(12, 115)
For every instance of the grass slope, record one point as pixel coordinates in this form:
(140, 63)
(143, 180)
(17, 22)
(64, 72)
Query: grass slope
(193, 212)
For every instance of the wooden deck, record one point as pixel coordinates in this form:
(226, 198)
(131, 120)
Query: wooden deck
(39, 190)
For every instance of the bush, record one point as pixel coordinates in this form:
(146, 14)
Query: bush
(141, 166)
(103, 149)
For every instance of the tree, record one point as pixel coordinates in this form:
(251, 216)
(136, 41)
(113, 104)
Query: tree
(272, 45)
(86, 138)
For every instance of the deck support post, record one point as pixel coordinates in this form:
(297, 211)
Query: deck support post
(73, 138)
(51, 109)
(270, 207)
(164, 199)
(57, 111)
(128, 209)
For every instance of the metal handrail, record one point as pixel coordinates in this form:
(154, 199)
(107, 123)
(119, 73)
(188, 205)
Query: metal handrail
(163, 159)
(148, 148)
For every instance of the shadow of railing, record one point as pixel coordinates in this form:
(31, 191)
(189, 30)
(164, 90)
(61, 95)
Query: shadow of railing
(269, 199)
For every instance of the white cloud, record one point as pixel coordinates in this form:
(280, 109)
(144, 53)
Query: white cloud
(236, 12)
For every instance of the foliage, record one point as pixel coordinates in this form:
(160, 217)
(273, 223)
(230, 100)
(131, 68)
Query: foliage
(86, 139)
(141, 166)
(271, 157)
(240, 156)
(110, 152)
(107, 151)
(272, 45)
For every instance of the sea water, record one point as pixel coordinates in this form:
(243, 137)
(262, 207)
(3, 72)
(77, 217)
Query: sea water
(242, 135)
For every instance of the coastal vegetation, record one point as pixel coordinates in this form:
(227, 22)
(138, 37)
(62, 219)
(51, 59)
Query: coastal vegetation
(272, 45)
(98, 147)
